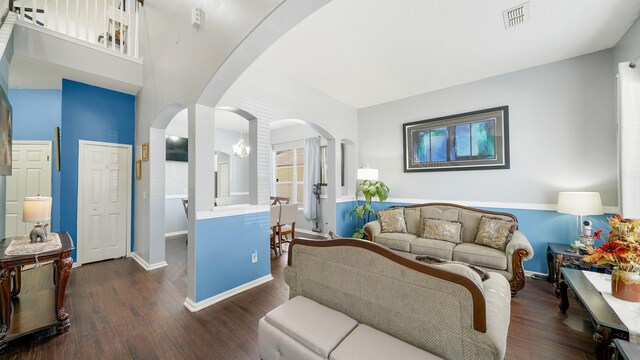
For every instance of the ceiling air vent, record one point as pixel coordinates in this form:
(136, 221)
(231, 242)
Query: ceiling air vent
(516, 15)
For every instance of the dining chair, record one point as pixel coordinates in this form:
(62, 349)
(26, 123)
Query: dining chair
(273, 223)
(287, 223)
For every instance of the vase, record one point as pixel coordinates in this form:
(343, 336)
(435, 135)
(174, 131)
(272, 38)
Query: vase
(625, 285)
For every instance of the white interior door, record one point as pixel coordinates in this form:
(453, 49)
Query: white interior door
(104, 201)
(30, 176)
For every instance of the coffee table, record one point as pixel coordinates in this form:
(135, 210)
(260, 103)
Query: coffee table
(606, 323)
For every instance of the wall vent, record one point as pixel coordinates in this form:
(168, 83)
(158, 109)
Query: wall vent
(516, 15)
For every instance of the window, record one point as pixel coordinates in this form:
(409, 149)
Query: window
(289, 174)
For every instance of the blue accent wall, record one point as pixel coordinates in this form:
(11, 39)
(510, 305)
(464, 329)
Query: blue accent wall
(94, 114)
(223, 253)
(36, 114)
(539, 226)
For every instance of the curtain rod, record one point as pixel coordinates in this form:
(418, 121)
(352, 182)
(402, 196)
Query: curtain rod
(634, 63)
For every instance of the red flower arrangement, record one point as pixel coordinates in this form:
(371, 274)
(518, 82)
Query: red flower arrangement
(622, 248)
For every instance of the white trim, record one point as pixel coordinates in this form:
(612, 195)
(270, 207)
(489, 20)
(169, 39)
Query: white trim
(181, 232)
(197, 306)
(343, 199)
(129, 176)
(231, 210)
(241, 193)
(528, 273)
(177, 196)
(305, 231)
(491, 204)
(145, 265)
(72, 39)
(75, 265)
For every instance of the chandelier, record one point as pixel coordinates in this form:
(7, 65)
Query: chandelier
(240, 149)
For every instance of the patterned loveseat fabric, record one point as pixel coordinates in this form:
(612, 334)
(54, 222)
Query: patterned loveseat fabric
(509, 262)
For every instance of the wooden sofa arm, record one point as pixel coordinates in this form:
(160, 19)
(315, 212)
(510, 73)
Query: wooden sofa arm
(518, 250)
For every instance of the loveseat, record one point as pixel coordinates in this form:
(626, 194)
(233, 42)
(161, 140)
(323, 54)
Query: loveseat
(354, 299)
(506, 261)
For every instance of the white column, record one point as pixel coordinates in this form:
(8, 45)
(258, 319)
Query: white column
(259, 162)
(155, 169)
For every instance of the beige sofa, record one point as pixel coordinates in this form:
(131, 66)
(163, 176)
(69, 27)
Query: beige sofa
(354, 299)
(508, 262)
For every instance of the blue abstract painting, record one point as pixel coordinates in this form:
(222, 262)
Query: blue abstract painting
(468, 141)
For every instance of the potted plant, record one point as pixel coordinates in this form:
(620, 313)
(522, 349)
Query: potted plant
(369, 189)
(622, 251)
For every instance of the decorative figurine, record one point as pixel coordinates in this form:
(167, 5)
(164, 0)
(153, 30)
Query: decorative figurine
(39, 233)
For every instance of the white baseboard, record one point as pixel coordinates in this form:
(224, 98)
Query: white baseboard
(75, 265)
(181, 232)
(528, 273)
(305, 231)
(197, 306)
(145, 265)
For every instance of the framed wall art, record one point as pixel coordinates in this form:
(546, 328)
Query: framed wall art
(138, 169)
(476, 140)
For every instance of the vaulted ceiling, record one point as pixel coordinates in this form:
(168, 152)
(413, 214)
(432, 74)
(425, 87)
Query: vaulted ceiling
(367, 52)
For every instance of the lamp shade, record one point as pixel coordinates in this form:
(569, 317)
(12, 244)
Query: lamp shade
(368, 174)
(36, 209)
(580, 203)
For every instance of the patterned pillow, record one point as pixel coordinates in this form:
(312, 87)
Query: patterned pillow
(495, 232)
(442, 230)
(392, 221)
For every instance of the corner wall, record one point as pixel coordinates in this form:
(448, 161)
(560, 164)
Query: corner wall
(95, 114)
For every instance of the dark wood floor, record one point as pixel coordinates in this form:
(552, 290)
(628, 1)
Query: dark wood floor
(120, 311)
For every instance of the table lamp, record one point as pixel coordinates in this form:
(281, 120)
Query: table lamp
(580, 203)
(37, 209)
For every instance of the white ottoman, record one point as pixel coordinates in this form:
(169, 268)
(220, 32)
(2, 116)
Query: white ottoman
(367, 343)
(302, 329)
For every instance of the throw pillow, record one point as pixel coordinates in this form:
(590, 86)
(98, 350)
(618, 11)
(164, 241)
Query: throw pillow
(442, 230)
(495, 232)
(392, 221)
(438, 261)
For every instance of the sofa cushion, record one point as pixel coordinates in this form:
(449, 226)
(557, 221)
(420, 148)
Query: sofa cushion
(366, 342)
(396, 241)
(392, 221)
(480, 255)
(495, 232)
(442, 230)
(437, 248)
(470, 221)
(412, 219)
(435, 212)
(315, 326)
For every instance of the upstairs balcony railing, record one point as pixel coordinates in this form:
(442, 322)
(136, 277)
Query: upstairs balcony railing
(111, 24)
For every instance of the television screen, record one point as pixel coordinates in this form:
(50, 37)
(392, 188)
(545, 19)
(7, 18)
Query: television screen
(177, 148)
(5, 134)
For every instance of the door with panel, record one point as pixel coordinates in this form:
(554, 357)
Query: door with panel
(104, 201)
(30, 176)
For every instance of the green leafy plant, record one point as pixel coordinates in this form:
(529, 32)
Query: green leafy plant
(370, 190)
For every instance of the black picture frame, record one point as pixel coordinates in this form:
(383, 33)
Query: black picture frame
(449, 134)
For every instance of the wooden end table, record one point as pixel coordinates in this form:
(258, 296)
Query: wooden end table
(34, 306)
(560, 255)
(606, 322)
(624, 350)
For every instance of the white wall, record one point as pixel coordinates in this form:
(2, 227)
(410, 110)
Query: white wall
(562, 135)
(628, 48)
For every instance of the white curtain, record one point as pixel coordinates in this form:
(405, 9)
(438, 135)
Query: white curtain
(311, 175)
(629, 139)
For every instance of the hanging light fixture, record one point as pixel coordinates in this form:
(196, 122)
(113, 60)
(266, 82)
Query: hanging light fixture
(241, 149)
